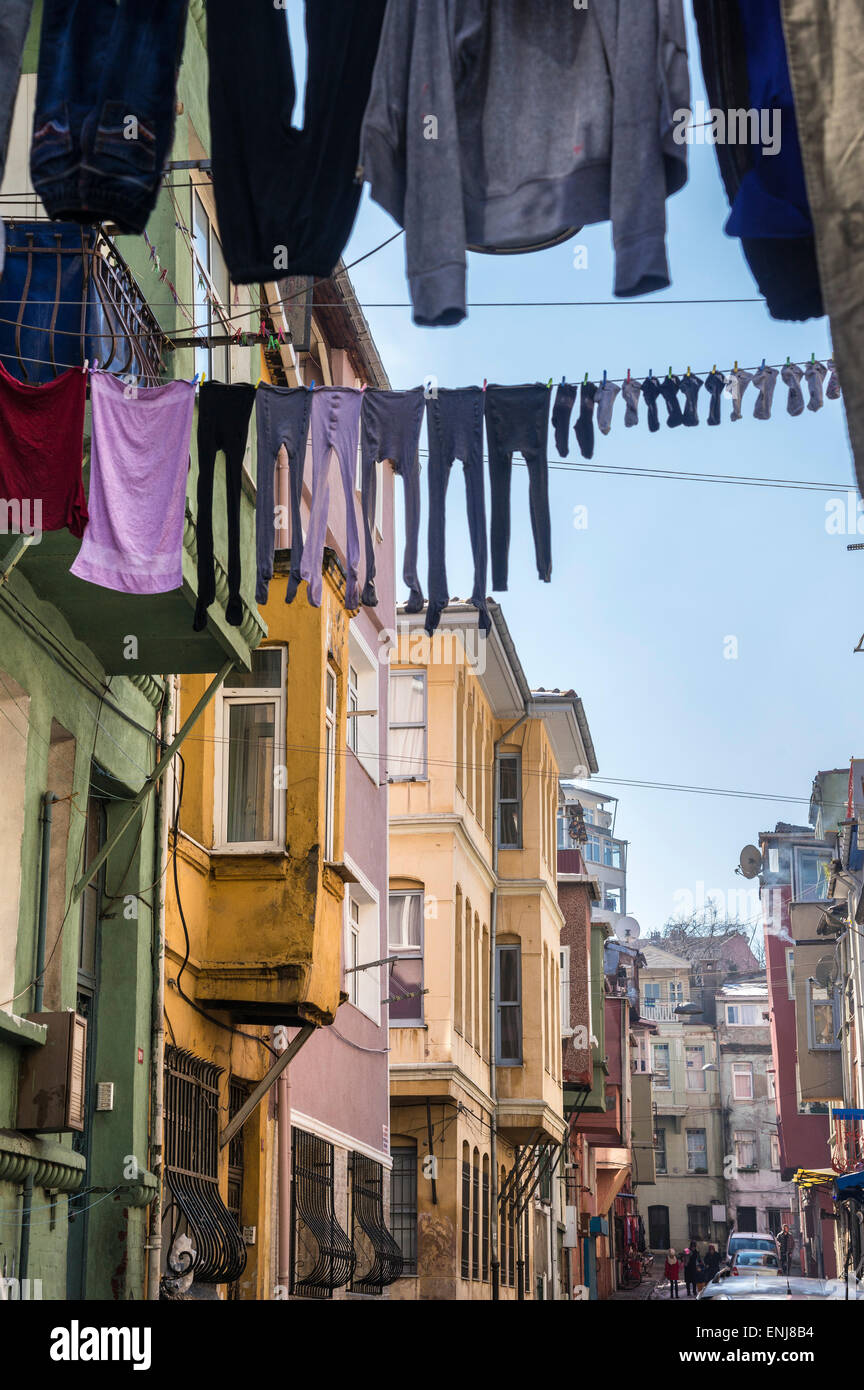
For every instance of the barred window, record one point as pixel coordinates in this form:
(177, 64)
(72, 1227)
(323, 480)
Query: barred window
(322, 1256)
(475, 1224)
(403, 1204)
(379, 1259)
(485, 1217)
(214, 1251)
(466, 1214)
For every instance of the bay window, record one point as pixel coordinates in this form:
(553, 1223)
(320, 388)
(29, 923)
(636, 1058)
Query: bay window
(250, 723)
(406, 943)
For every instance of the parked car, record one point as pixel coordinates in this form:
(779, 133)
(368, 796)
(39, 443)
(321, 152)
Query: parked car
(751, 1240)
(787, 1288)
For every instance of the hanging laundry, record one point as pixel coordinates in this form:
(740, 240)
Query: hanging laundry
(584, 427)
(669, 389)
(736, 384)
(454, 421)
(517, 420)
(791, 375)
(287, 198)
(105, 108)
(14, 22)
(714, 384)
(590, 91)
(814, 375)
(41, 449)
(565, 399)
(746, 70)
(825, 45)
(832, 390)
(390, 424)
(606, 398)
(282, 421)
(765, 381)
(223, 425)
(691, 386)
(139, 464)
(335, 427)
(651, 395)
(631, 391)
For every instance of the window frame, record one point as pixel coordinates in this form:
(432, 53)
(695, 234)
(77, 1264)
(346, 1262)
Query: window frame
(409, 673)
(500, 1060)
(743, 1069)
(692, 1152)
(750, 1137)
(227, 697)
(408, 953)
(655, 1048)
(564, 987)
(834, 1000)
(516, 756)
(695, 1071)
(660, 1151)
(209, 302)
(736, 1023)
(331, 730)
(404, 1158)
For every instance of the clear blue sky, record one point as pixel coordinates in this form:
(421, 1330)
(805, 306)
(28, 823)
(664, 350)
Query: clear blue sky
(642, 601)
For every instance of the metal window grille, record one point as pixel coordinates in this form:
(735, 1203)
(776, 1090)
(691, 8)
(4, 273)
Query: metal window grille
(379, 1259)
(527, 1251)
(475, 1225)
(322, 1256)
(485, 1225)
(466, 1219)
(238, 1092)
(403, 1205)
(218, 1254)
(511, 1244)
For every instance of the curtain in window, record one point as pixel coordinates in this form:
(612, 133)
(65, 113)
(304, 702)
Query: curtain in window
(407, 744)
(251, 749)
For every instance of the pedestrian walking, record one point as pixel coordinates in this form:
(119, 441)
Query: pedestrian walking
(694, 1271)
(786, 1245)
(712, 1263)
(672, 1271)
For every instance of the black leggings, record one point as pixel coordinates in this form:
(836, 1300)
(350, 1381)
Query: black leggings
(691, 1285)
(673, 1288)
(223, 423)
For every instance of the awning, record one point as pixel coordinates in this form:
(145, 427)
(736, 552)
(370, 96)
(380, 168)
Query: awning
(848, 1181)
(814, 1177)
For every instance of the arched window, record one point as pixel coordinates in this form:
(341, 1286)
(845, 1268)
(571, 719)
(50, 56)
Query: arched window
(485, 1243)
(475, 1215)
(459, 967)
(466, 1212)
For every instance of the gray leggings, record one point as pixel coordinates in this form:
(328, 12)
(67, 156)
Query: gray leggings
(455, 422)
(390, 429)
(336, 426)
(281, 417)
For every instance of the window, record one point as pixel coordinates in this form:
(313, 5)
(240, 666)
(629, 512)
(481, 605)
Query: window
(14, 729)
(742, 1080)
(406, 942)
(676, 991)
(211, 292)
(743, 1015)
(611, 854)
(745, 1149)
(808, 880)
(697, 1222)
(485, 1217)
(823, 1018)
(407, 753)
(508, 1032)
(790, 972)
(363, 944)
(564, 957)
(564, 830)
(510, 801)
(772, 1083)
(592, 848)
(612, 900)
(660, 1150)
(745, 1220)
(363, 735)
(651, 992)
(475, 1223)
(775, 1151)
(330, 767)
(776, 1217)
(694, 1062)
(465, 1262)
(403, 1204)
(353, 707)
(661, 1067)
(250, 715)
(697, 1153)
(378, 1256)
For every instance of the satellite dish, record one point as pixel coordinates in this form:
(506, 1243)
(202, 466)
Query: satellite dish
(824, 972)
(750, 861)
(628, 926)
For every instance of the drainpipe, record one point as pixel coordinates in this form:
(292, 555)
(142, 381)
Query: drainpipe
(494, 1225)
(46, 819)
(283, 1272)
(164, 729)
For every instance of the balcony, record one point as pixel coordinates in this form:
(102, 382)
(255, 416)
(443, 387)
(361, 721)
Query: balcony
(68, 297)
(656, 1011)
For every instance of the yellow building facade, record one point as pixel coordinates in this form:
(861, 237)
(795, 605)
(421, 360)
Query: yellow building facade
(475, 1020)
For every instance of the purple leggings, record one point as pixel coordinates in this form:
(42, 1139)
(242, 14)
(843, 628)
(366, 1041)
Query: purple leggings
(335, 425)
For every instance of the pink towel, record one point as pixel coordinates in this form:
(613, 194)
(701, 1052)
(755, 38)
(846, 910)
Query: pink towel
(138, 467)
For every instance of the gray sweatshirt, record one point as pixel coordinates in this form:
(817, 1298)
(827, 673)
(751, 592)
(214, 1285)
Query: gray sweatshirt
(506, 125)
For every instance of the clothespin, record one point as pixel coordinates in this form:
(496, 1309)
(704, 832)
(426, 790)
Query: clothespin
(563, 381)
(549, 384)
(585, 382)
(484, 383)
(312, 385)
(762, 368)
(86, 365)
(362, 388)
(788, 362)
(812, 357)
(670, 372)
(195, 379)
(628, 373)
(735, 368)
(604, 376)
(688, 371)
(714, 370)
(95, 364)
(650, 372)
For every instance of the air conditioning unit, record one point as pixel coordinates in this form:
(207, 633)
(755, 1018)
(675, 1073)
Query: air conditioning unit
(51, 1079)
